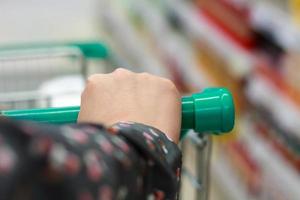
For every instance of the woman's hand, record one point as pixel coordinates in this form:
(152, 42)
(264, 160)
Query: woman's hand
(126, 96)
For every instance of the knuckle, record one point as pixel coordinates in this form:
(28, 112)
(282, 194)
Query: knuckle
(121, 72)
(145, 76)
(170, 86)
(92, 79)
(91, 83)
(168, 83)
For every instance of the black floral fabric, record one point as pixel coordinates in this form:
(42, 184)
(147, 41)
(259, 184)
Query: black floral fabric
(87, 162)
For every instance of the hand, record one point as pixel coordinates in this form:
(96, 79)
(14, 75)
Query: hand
(127, 96)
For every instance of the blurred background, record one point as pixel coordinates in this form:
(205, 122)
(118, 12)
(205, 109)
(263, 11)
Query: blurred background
(250, 46)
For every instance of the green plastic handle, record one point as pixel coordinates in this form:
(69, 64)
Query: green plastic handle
(211, 111)
(90, 49)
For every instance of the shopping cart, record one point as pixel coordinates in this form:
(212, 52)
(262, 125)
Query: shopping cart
(30, 74)
(213, 105)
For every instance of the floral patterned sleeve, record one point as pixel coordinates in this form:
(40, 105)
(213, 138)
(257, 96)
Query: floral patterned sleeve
(87, 162)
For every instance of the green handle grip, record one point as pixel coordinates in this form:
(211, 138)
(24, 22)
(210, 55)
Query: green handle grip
(90, 49)
(210, 111)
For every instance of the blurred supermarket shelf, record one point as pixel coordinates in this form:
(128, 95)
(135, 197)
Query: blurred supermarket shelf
(266, 15)
(174, 39)
(277, 171)
(250, 168)
(172, 46)
(198, 27)
(263, 93)
(123, 33)
(226, 181)
(51, 20)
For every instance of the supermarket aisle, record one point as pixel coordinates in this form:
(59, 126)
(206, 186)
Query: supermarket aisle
(251, 47)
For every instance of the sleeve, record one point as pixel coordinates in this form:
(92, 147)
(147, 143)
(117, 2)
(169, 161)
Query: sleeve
(86, 162)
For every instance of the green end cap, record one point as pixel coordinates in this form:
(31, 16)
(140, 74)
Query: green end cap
(209, 111)
(228, 111)
(96, 50)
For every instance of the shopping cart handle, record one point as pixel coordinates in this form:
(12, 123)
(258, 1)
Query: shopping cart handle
(211, 111)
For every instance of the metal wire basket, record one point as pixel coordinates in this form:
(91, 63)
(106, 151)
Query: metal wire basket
(25, 70)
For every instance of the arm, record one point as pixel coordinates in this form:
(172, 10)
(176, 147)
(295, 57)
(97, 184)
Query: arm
(87, 161)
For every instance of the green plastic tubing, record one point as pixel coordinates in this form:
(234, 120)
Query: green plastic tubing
(211, 111)
(90, 49)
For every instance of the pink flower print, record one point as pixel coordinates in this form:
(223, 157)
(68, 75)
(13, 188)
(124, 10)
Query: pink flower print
(85, 196)
(94, 171)
(105, 193)
(148, 136)
(106, 147)
(120, 143)
(159, 195)
(28, 129)
(90, 130)
(124, 146)
(41, 146)
(57, 157)
(74, 135)
(94, 168)
(7, 160)
(150, 144)
(178, 173)
(104, 144)
(80, 137)
(72, 164)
